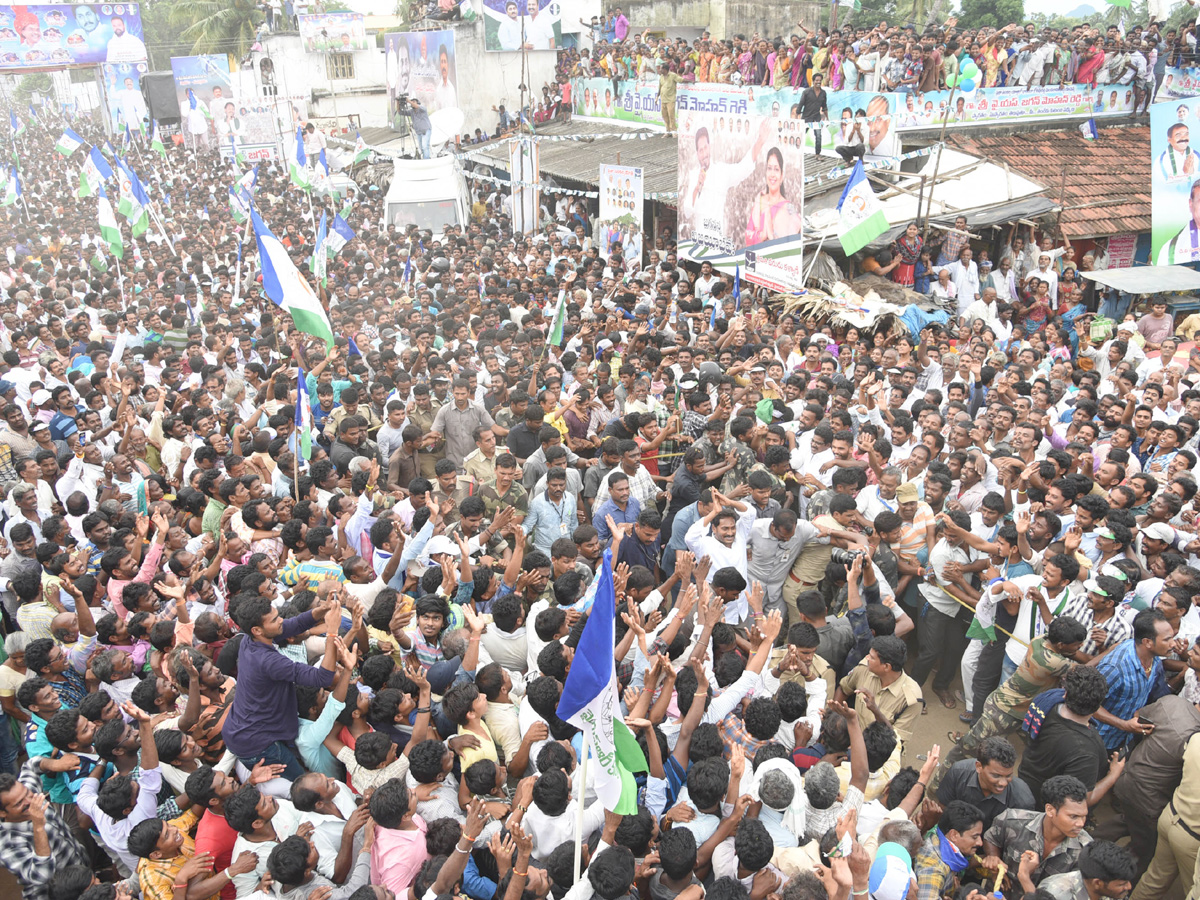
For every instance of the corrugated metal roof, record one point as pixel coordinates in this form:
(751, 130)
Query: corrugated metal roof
(1107, 191)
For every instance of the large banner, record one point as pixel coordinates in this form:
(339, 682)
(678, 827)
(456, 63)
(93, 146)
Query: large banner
(122, 85)
(621, 212)
(883, 115)
(741, 179)
(523, 169)
(61, 35)
(521, 24)
(421, 64)
(1180, 82)
(335, 32)
(1174, 182)
(220, 117)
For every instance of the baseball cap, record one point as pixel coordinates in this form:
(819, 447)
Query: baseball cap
(1106, 533)
(891, 872)
(1160, 531)
(907, 493)
(41, 397)
(1092, 586)
(604, 345)
(38, 426)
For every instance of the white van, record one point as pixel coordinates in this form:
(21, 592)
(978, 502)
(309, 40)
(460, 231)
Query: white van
(428, 193)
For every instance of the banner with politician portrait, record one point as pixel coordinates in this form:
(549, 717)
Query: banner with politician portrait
(62, 35)
(1175, 182)
(621, 213)
(335, 32)
(123, 88)
(741, 179)
(422, 64)
(522, 24)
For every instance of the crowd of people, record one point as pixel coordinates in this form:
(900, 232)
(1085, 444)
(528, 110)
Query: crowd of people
(303, 613)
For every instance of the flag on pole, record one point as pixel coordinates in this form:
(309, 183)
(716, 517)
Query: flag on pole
(13, 192)
(591, 701)
(303, 415)
(195, 104)
(299, 165)
(352, 350)
(204, 213)
(156, 143)
(406, 275)
(239, 155)
(239, 208)
(862, 218)
(340, 234)
(712, 319)
(134, 203)
(18, 127)
(361, 150)
(248, 181)
(95, 172)
(286, 287)
(319, 258)
(1088, 130)
(128, 136)
(557, 321)
(68, 143)
(110, 231)
(321, 171)
(737, 288)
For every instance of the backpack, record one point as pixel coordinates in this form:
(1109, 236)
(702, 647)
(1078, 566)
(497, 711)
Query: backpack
(1039, 708)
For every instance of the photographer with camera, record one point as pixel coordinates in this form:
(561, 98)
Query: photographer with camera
(410, 107)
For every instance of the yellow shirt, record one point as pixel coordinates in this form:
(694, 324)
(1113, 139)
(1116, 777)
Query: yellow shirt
(485, 750)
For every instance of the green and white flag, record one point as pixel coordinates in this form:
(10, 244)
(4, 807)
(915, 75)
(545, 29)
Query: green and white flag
(110, 231)
(361, 150)
(156, 143)
(18, 127)
(299, 164)
(287, 288)
(68, 143)
(862, 218)
(96, 171)
(12, 193)
(559, 318)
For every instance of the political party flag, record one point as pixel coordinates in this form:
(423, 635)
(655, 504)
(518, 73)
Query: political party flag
(340, 234)
(852, 4)
(286, 287)
(361, 150)
(983, 625)
(249, 181)
(68, 143)
(862, 218)
(12, 193)
(406, 276)
(556, 322)
(1124, 4)
(319, 258)
(204, 213)
(18, 127)
(156, 143)
(96, 171)
(128, 136)
(712, 319)
(352, 350)
(591, 701)
(737, 288)
(98, 262)
(1088, 130)
(134, 203)
(110, 231)
(299, 164)
(194, 104)
(303, 415)
(239, 155)
(239, 207)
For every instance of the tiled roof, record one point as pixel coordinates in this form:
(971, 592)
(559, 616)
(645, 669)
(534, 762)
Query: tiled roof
(1107, 180)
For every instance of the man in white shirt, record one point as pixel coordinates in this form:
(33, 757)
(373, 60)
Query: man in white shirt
(708, 185)
(722, 536)
(965, 275)
(123, 46)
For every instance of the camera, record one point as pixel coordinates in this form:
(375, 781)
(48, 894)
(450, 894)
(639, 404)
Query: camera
(845, 557)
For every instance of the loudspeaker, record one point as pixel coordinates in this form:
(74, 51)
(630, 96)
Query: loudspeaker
(159, 91)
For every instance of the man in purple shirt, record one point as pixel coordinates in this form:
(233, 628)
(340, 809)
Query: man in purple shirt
(263, 722)
(621, 25)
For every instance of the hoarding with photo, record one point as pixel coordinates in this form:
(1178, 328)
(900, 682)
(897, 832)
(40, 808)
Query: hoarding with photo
(621, 213)
(66, 35)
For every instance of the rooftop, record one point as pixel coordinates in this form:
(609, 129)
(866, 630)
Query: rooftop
(1106, 190)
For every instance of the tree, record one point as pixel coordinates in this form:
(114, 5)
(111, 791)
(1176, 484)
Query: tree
(34, 83)
(217, 26)
(991, 13)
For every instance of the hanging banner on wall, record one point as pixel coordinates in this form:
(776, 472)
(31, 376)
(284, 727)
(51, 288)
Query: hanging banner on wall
(335, 32)
(1180, 82)
(422, 64)
(523, 168)
(122, 84)
(214, 114)
(1174, 182)
(521, 24)
(741, 178)
(62, 35)
(621, 212)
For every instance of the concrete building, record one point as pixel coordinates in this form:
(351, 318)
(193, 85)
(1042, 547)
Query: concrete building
(725, 18)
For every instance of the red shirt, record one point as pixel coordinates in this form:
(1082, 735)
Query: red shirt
(213, 835)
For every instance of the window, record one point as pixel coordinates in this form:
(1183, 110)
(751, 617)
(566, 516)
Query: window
(339, 66)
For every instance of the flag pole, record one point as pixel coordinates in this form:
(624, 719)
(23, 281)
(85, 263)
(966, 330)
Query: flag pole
(237, 288)
(583, 767)
(120, 277)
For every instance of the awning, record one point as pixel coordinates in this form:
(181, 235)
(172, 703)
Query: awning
(1026, 208)
(1148, 279)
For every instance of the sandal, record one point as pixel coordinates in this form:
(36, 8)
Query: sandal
(947, 699)
(955, 736)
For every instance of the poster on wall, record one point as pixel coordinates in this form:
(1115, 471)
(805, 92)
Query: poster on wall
(741, 178)
(335, 32)
(422, 64)
(122, 85)
(1121, 250)
(1174, 182)
(621, 213)
(62, 35)
(521, 24)
(523, 169)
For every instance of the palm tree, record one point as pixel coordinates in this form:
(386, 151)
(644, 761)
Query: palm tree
(218, 26)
